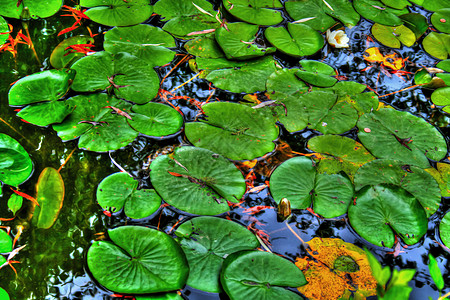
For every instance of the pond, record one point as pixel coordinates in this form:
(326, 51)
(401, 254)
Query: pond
(54, 262)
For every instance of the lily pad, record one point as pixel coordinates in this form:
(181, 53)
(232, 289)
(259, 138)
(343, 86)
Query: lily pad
(399, 135)
(377, 12)
(397, 4)
(4, 30)
(4, 295)
(283, 83)
(415, 180)
(394, 37)
(119, 190)
(148, 261)
(186, 16)
(441, 97)
(416, 22)
(381, 212)
(444, 229)
(15, 203)
(118, 12)
(63, 57)
(442, 176)
(164, 296)
(297, 40)
(15, 163)
(234, 130)
(208, 181)
(352, 92)
(207, 241)
(130, 77)
(316, 73)
(147, 42)
(435, 5)
(258, 12)
(437, 45)
(298, 180)
(339, 153)
(238, 77)
(5, 242)
(50, 196)
(37, 8)
(204, 46)
(441, 20)
(260, 275)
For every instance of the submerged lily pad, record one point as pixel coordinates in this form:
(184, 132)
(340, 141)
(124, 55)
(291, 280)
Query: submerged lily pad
(118, 12)
(437, 45)
(381, 212)
(399, 135)
(207, 241)
(413, 179)
(236, 131)
(444, 229)
(15, 163)
(119, 190)
(208, 181)
(394, 37)
(147, 42)
(375, 11)
(5, 242)
(260, 275)
(36, 8)
(148, 261)
(63, 57)
(298, 180)
(50, 196)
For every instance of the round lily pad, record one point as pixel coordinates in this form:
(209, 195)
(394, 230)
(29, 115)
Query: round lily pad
(234, 130)
(260, 275)
(316, 73)
(15, 203)
(5, 242)
(208, 181)
(119, 190)
(434, 5)
(4, 295)
(258, 12)
(416, 22)
(375, 11)
(148, 261)
(147, 42)
(207, 241)
(283, 83)
(437, 45)
(394, 37)
(15, 163)
(441, 96)
(444, 229)
(4, 30)
(399, 135)
(297, 40)
(118, 12)
(63, 57)
(413, 179)
(204, 46)
(441, 20)
(164, 296)
(381, 212)
(298, 180)
(36, 8)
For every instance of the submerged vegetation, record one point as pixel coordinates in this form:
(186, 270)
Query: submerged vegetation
(196, 132)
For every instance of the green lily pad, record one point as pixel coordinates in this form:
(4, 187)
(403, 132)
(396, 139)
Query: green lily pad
(399, 135)
(377, 12)
(207, 241)
(233, 130)
(435, 5)
(164, 296)
(444, 229)
(130, 77)
(4, 30)
(255, 11)
(15, 163)
(445, 77)
(298, 40)
(442, 176)
(186, 16)
(147, 42)
(444, 65)
(241, 276)
(394, 37)
(298, 180)
(381, 211)
(397, 4)
(283, 83)
(441, 20)
(238, 77)
(5, 242)
(339, 153)
(37, 8)
(119, 190)
(316, 73)
(15, 203)
(415, 180)
(352, 92)
(236, 41)
(416, 23)
(148, 261)
(50, 196)
(4, 295)
(208, 181)
(441, 96)
(97, 126)
(204, 46)
(63, 57)
(437, 45)
(118, 12)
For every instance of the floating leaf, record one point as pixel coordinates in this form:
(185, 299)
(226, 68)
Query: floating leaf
(148, 261)
(444, 229)
(234, 130)
(255, 12)
(63, 56)
(165, 296)
(207, 241)
(241, 276)
(4, 31)
(393, 37)
(298, 180)
(435, 5)
(441, 97)
(15, 203)
(375, 11)
(118, 12)
(5, 242)
(413, 179)
(130, 77)
(316, 73)
(437, 45)
(397, 4)
(352, 92)
(15, 163)
(435, 272)
(4, 295)
(146, 42)
(204, 46)
(207, 180)
(399, 135)
(381, 211)
(297, 40)
(36, 8)
(335, 270)
(50, 196)
(283, 83)
(416, 23)
(442, 176)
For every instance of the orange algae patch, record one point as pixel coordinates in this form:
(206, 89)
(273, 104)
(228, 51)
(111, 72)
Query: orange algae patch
(329, 280)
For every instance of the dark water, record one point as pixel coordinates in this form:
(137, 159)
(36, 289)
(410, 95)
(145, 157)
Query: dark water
(53, 262)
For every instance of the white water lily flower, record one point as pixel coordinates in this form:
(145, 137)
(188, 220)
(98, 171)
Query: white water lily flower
(337, 38)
